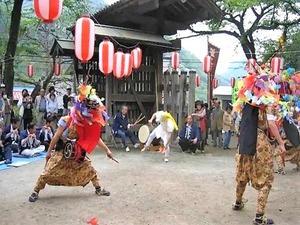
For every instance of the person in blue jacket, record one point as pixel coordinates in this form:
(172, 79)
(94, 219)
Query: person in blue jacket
(121, 128)
(189, 136)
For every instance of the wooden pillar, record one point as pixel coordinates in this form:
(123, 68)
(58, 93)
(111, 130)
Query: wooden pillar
(108, 101)
(158, 80)
(192, 87)
(167, 97)
(182, 98)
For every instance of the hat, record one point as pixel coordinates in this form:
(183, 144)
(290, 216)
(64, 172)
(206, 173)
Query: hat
(69, 88)
(2, 86)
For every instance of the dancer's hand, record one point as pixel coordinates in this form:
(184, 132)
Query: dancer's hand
(109, 154)
(150, 122)
(282, 150)
(48, 155)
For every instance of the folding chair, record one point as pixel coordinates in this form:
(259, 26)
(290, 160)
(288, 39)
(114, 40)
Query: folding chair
(113, 136)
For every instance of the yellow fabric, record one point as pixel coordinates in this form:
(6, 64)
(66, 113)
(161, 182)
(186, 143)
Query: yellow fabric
(166, 116)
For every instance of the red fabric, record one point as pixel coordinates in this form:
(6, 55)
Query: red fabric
(202, 123)
(89, 135)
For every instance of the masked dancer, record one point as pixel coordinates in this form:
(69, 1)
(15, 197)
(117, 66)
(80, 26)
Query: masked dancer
(77, 135)
(257, 99)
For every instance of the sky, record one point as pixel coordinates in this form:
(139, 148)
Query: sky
(231, 50)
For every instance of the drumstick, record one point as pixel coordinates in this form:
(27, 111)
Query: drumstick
(136, 122)
(138, 118)
(113, 159)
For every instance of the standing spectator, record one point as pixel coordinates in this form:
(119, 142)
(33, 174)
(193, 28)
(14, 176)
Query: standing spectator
(20, 105)
(217, 124)
(51, 91)
(40, 105)
(66, 100)
(28, 106)
(189, 136)
(46, 133)
(228, 126)
(52, 108)
(29, 144)
(208, 122)
(10, 138)
(7, 110)
(2, 107)
(201, 118)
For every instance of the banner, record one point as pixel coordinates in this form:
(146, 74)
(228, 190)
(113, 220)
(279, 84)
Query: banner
(214, 52)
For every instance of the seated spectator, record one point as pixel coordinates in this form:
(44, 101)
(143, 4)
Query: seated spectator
(121, 128)
(189, 136)
(10, 138)
(46, 133)
(29, 143)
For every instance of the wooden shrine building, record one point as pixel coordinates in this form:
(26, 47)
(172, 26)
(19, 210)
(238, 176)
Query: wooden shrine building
(142, 22)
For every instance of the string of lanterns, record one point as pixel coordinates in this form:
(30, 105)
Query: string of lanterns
(117, 63)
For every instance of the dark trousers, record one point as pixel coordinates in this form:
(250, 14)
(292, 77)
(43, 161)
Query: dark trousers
(126, 133)
(9, 150)
(46, 144)
(26, 122)
(187, 144)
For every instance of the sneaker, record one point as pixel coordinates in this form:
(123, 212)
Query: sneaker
(101, 192)
(144, 149)
(8, 161)
(238, 206)
(262, 220)
(33, 197)
(280, 172)
(127, 149)
(202, 151)
(136, 145)
(166, 160)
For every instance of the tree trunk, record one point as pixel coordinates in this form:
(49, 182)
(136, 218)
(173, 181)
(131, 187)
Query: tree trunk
(44, 85)
(12, 46)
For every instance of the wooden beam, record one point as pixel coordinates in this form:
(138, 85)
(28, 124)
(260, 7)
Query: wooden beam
(192, 87)
(140, 104)
(158, 79)
(131, 98)
(108, 102)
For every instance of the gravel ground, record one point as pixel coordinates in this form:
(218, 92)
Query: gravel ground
(144, 190)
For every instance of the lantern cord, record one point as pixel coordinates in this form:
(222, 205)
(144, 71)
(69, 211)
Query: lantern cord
(123, 46)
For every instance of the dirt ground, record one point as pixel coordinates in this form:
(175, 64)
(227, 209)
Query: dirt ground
(144, 190)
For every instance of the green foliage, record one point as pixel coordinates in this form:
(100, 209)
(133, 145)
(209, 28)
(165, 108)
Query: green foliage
(290, 51)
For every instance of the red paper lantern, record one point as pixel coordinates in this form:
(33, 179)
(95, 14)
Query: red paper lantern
(84, 39)
(30, 70)
(106, 56)
(57, 67)
(175, 60)
(215, 83)
(251, 65)
(136, 55)
(207, 65)
(128, 62)
(48, 10)
(275, 65)
(119, 64)
(197, 80)
(232, 82)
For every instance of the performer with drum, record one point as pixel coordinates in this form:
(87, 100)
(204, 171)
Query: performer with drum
(77, 134)
(121, 128)
(164, 131)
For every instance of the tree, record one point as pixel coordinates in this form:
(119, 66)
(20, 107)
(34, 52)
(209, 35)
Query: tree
(267, 15)
(12, 46)
(30, 40)
(290, 51)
